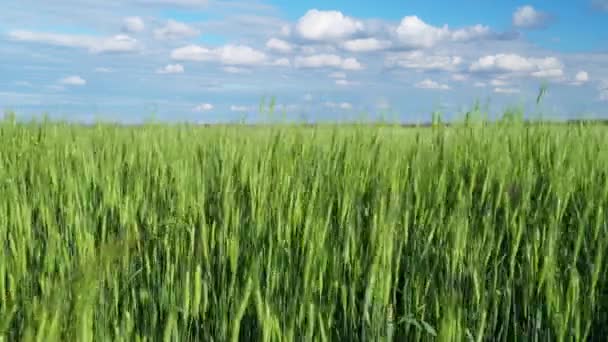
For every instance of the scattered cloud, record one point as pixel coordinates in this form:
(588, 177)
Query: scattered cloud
(328, 60)
(415, 33)
(580, 78)
(133, 25)
(603, 90)
(430, 84)
(479, 84)
(337, 74)
(279, 45)
(171, 69)
(102, 70)
(175, 30)
(527, 17)
(366, 45)
(237, 108)
(236, 70)
(500, 90)
(117, 43)
(419, 60)
(341, 105)
(319, 25)
(73, 81)
(460, 77)
(283, 62)
(203, 107)
(344, 82)
(548, 67)
(227, 54)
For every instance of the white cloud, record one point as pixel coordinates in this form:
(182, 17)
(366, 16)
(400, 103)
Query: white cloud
(479, 84)
(420, 61)
(237, 108)
(581, 77)
(175, 30)
(506, 90)
(171, 69)
(235, 70)
(460, 77)
(337, 74)
(342, 105)
(528, 17)
(133, 25)
(414, 32)
(284, 62)
(73, 80)
(430, 84)
(308, 97)
(365, 45)
(103, 70)
(327, 25)
(498, 82)
(328, 60)
(117, 43)
(603, 90)
(203, 107)
(279, 45)
(227, 54)
(343, 82)
(548, 67)
(470, 33)
(548, 73)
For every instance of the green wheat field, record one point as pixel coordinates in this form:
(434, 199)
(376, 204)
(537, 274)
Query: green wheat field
(473, 232)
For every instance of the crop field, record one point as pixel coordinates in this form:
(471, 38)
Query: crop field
(480, 232)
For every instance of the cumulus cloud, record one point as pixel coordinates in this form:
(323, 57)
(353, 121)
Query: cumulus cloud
(528, 17)
(175, 30)
(227, 54)
(73, 81)
(603, 90)
(430, 84)
(479, 84)
(171, 69)
(328, 60)
(327, 25)
(282, 62)
(500, 90)
(203, 107)
(548, 67)
(117, 43)
(460, 77)
(415, 33)
(341, 105)
(337, 74)
(419, 60)
(236, 70)
(133, 25)
(580, 78)
(237, 108)
(366, 45)
(102, 70)
(344, 82)
(279, 45)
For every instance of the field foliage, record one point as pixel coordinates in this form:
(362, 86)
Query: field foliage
(474, 232)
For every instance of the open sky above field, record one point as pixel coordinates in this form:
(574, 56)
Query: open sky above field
(212, 60)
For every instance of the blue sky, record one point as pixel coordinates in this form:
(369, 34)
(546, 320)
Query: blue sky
(214, 60)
